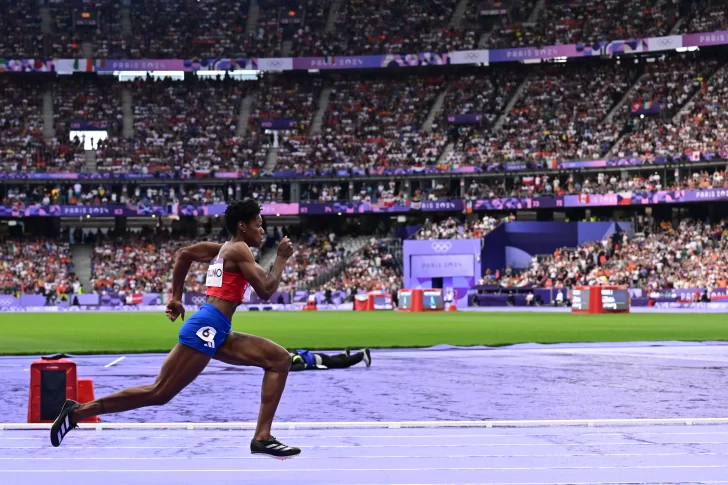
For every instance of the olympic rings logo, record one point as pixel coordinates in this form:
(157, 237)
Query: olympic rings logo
(198, 300)
(441, 247)
(6, 302)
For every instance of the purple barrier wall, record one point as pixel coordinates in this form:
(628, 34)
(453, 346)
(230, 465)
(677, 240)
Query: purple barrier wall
(456, 261)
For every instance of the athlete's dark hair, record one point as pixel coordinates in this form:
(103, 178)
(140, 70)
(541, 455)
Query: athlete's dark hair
(240, 211)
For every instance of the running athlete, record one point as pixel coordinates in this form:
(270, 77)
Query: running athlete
(207, 334)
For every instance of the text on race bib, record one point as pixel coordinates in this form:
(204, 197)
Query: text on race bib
(214, 273)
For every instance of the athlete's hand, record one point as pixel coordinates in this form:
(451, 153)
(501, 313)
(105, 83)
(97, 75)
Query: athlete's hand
(285, 249)
(175, 309)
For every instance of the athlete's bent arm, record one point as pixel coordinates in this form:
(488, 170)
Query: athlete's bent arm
(265, 285)
(197, 253)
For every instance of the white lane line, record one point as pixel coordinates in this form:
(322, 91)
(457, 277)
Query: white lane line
(115, 362)
(225, 435)
(430, 469)
(387, 424)
(459, 445)
(357, 457)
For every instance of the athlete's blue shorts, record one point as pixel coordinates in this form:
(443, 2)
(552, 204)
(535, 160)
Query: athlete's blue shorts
(206, 330)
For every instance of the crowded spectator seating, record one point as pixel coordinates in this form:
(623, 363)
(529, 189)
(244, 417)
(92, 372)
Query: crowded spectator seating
(213, 29)
(370, 123)
(286, 98)
(452, 228)
(707, 16)
(689, 255)
(486, 95)
(21, 126)
(183, 126)
(315, 254)
(143, 262)
(89, 100)
(21, 33)
(372, 269)
(388, 27)
(35, 266)
(582, 21)
(561, 114)
(672, 84)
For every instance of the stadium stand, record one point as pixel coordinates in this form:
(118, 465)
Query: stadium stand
(373, 268)
(691, 255)
(35, 266)
(452, 228)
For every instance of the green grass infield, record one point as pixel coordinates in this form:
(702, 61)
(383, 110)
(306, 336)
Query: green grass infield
(127, 332)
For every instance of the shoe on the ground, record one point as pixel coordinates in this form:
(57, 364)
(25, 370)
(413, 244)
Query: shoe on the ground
(63, 423)
(367, 357)
(273, 448)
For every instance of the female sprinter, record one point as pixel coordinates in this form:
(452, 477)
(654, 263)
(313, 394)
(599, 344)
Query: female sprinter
(207, 334)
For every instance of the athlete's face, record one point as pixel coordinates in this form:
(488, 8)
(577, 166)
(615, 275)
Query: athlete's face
(253, 232)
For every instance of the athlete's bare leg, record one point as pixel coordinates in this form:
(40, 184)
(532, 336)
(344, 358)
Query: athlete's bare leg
(180, 368)
(244, 349)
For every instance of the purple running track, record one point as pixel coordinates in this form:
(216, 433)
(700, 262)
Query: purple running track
(568, 381)
(551, 455)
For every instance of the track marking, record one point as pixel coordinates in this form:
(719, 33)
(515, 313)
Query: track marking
(631, 434)
(115, 362)
(388, 457)
(387, 424)
(459, 445)
(429, 469)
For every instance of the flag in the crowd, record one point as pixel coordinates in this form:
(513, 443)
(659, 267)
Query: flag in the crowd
(583, 198)
(645, 107)
(694, 155)
(84, 65)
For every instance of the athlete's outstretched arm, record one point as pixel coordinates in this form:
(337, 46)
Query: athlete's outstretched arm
(265, 285)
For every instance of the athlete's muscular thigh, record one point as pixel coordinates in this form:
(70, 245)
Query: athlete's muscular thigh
(244, 349)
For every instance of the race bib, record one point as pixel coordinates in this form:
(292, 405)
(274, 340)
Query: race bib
(214, 273)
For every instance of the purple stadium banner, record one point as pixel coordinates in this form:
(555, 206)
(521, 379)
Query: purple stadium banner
(89, 125)
(27, 65)
(492, 11)
(267, 209)
(111, 65)
(467, 119)
(378, 61)
(280, 124)
(631, 46)
(453, 269)
(516, 203)
(705, 39)
(349, 208)
(441, 265)
(333, 208)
